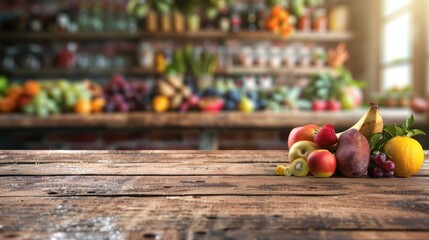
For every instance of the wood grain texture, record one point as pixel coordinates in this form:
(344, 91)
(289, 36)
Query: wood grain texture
(198, 195)
(217, 216)
(257, 120)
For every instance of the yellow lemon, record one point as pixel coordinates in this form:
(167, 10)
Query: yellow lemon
(406, 153)
(160, 103)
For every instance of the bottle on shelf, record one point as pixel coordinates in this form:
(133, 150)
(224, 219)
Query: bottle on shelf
(178, 21)
(97, 23)
(166, 22)
(224, 23)
(151, 21)
(251, 19)
(235, 20)
(110, 17)
(121, 19)
(83, 18)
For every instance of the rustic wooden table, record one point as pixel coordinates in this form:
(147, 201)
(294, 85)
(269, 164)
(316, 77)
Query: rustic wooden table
(198, 195)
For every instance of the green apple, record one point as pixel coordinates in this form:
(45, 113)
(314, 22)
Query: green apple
(3, 84)
(301, 149)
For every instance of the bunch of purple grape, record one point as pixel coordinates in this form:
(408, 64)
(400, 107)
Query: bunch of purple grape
(380, 166)
(125, 96)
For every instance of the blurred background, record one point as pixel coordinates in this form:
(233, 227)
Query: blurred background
(215, 74)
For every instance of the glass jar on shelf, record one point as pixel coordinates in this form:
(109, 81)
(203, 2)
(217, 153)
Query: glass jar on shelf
(33, 57)
(10, 58)
(320, 23)
(246, 56)
(146, 55)
(66, 57)
(319, 57)
(304, 56)
(222, 53)
(339, 17)
(83, 60)
(304, 22)
(261, 56)
(275, 57)
(289, 57)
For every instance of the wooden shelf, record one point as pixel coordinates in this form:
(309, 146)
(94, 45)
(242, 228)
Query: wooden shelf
(278, 71)
(201, 35)
(308, 71)
(222, 120)
(78, 72)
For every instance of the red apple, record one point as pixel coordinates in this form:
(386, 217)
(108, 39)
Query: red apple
(333, 105)
(297, 134)
(419, 105)
(318, 105)
(322, 163)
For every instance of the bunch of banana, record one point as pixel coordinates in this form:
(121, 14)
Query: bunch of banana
(175, 89)
(371, 122)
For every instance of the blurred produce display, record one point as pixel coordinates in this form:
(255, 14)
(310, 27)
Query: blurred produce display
(169, 75)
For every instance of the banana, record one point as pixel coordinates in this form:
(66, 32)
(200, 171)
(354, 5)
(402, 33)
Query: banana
(371, 122)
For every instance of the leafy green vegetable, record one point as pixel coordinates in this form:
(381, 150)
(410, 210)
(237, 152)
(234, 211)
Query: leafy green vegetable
(377, 140)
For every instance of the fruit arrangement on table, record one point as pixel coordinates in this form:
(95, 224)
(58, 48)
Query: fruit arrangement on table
(367, 148)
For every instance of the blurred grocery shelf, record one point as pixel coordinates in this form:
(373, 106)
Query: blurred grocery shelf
(222, 120)
(202, 35)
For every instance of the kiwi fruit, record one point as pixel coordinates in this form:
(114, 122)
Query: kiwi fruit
(299, 168)
(288, 173)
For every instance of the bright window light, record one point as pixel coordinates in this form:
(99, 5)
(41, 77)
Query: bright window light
(397, 76)
(391, 6)
(397, 39)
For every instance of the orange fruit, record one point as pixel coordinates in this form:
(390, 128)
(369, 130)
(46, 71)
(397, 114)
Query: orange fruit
(276, 11)
(7, 105)
(31, 88)
(14, 92)
(97, 105)
(406, 153)
(82, 107)
(272, 24)
(283, 16)
(160, 103)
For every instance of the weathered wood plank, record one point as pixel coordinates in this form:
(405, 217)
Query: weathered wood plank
(145, 156)
(141, 169)
(205, 186)
(217, 217)
(150, 169)
(173, 234)
(153, 156)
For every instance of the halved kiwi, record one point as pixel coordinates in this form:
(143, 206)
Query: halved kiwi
(299, 168)
(288, 173)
